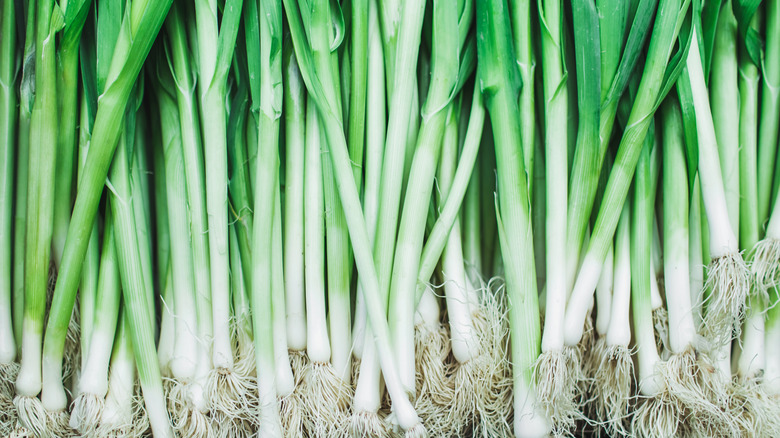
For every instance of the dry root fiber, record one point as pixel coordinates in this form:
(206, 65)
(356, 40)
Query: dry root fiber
(58, 424)
(721, 417)
(292, 411)
(558, 374)
(611, 388)
(85, 413)
(7, 415)
(8, 373)
(756, 413)
(661, 326)
(433, 386)
(681, 374)
(728, 279)
(32, 415)
(185, 419)
(119, 425)
(327, 399)
(483, 385)
(228, 393)
(766, 263)
(657, 417)
(292, 408)
(367, 425)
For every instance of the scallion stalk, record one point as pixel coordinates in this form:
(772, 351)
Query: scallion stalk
(403, 410)
(727, 275)
(8, 118)
(769, 122)
(140, 27)
(93, 385)
(662, 41)
(40, 205)
(268, 106)
(448, 36)
(294, 123)
(375, 141)
(216, 43)
(499, 82)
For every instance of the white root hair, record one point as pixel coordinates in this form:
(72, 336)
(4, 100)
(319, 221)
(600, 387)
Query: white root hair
(728, 279)
(686, 379)
(724, 419)
(292, 407)
(85, 413)
(766, 263)
(558, 377)
(661, 326)
(611, 387)
(657, 417)
(482, 399)
(58, 424)
(364, 424)
(418, 431)
(227, 392)
(328, 399)
(434, 388)
(8, 373)
(32, 415)
(185, 420)
(292, 411)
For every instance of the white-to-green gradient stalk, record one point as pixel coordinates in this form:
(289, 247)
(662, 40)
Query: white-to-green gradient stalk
(295, 133)
(662, 43)
(195, 180)
(93, 383)
(376, 126)
(555, 86)
(448, 38)
(317, 340)
(136, 287)
(724, 98)
(619, 331)
(405, 414)
(135, 37)
(337, 252)
(650, 383)
(727, 276)
(216, 43)
(40, 205)
(770, 109)
(677, 282)
(184, 363)
(499, 83)
(8, 116)
(267, 181)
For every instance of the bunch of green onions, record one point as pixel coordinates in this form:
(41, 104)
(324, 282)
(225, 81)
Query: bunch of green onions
(311, 218)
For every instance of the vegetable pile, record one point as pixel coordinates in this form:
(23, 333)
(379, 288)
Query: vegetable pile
(375, 218)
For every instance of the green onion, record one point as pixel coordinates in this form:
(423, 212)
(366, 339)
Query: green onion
(418, 190)
(724, 104)
(194, 178)
(93, 384)
(727, 275)
(140, 27)
(652, 88)
(769, 109)
(8, 117)
(268, 112)
(294, 123)
(499, 81)
(215, 45)
(649, 419)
